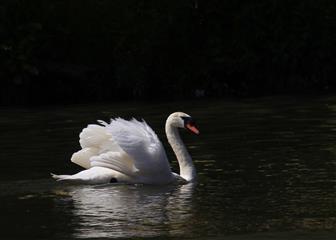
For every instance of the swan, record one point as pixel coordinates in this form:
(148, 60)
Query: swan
(130, 152)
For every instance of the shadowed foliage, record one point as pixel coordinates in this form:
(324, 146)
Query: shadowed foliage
(80, 51)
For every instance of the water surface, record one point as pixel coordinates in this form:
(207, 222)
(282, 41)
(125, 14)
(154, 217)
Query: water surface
(266, 169)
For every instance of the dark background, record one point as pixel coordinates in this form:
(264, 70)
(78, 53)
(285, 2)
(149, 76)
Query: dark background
(56, 52)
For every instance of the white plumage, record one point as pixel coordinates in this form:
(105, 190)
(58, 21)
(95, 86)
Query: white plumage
(128, 151)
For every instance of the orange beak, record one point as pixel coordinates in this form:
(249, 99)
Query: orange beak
(192, 128)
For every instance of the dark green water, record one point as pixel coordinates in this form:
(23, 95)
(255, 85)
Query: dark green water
(266, 170)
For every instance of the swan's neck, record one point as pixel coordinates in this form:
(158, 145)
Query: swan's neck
(187, 168)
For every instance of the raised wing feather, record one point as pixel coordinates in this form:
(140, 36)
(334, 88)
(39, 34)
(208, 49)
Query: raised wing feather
(118, 161)
(130, 148)
(94, 140)
(141, 143)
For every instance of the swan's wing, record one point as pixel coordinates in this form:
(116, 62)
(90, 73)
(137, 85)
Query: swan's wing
(94, 140)
(128, 147)
(118, 161)
(141, 143)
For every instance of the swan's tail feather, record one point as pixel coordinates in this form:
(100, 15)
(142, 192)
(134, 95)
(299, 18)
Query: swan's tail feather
(68, 178)
(59, 177)
(94, 175)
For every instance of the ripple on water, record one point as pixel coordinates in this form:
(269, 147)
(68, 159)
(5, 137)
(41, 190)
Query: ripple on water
(263, 166)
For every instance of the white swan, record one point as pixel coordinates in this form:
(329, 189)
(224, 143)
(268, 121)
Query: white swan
(130, 152)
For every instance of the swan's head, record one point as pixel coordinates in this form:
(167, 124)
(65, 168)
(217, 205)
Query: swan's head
(182, 120)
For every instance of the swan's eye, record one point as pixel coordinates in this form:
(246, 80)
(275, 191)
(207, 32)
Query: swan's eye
(186, 120)
(190, 124)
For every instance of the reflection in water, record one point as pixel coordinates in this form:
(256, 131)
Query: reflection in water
(265, 165)
(126, 210)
